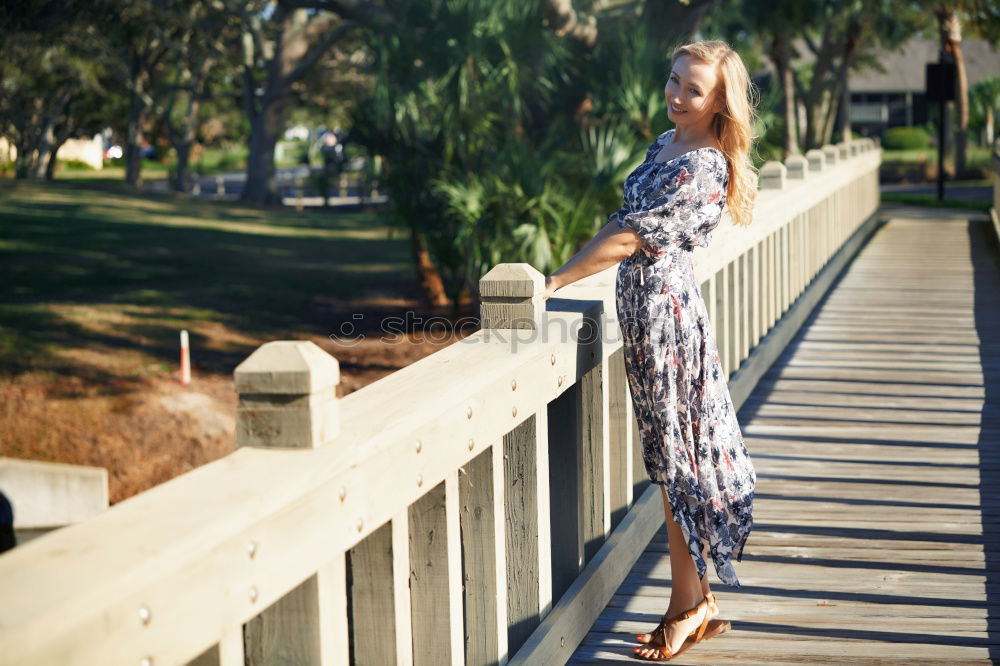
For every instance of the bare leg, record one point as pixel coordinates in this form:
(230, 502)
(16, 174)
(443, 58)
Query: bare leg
(686, 589)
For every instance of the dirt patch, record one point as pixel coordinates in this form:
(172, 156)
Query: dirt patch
(124, 411)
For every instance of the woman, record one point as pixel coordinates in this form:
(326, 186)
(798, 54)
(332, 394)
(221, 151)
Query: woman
(691, 442)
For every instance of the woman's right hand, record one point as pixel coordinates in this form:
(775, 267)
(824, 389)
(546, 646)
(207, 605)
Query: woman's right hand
(551, 285)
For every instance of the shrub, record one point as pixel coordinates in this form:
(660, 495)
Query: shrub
(75, 165)
(906, 138)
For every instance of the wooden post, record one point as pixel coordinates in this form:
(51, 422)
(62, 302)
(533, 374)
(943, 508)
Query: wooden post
(287, 398)
(511, 299)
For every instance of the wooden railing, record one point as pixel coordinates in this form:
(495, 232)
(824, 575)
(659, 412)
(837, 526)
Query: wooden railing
(477, 506)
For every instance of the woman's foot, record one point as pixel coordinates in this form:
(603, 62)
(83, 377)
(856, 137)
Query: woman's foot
(673, 612)
(676, 631)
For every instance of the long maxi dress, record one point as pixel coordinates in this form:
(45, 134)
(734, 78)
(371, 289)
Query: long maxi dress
(691, 440)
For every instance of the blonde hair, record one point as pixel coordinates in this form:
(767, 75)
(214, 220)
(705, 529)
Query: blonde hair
(733, 124)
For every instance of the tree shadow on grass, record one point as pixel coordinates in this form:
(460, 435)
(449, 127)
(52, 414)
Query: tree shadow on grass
(78, 248)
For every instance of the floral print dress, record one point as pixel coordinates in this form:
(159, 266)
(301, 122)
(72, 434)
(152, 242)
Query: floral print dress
(691, 441)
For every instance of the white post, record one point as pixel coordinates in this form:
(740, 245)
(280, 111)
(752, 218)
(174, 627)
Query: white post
(185, 359)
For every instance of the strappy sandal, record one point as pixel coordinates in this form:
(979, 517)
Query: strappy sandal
(715, 627)
(663, 652)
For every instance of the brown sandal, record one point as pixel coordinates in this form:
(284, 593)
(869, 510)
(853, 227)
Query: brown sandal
(663, 653)
(715, 627)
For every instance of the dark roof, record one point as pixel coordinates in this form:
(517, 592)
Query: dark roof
(904, 68)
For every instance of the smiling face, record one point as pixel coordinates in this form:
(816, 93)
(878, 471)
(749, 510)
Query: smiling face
(691, 95)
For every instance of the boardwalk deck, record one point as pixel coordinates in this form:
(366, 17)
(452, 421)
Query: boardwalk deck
(876, 439)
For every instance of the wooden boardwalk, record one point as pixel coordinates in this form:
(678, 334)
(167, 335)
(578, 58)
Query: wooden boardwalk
(875, 438)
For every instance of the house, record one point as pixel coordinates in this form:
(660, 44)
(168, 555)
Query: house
(893, 98)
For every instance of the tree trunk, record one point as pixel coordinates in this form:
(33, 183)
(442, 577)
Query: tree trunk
(134, 139)
(781, 59)
(818, 98)
(50, 166)
(951, 40)
(428, 277)
(851, 43)
(265, 128)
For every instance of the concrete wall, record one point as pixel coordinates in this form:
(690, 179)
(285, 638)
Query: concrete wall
(49, 495)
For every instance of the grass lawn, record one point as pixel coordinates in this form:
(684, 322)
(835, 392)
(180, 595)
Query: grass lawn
(932, 201)
(97, 282)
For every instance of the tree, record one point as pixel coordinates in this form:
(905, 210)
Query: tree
(281, 42)
(38, 83)
(984, 99)
(193, 57)
(139, 34)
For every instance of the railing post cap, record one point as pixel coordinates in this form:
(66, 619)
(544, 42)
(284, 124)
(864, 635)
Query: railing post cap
(511, 281)
(772, 175)
(511, 297)
(797, 166)
(817, 159)
(297, 367)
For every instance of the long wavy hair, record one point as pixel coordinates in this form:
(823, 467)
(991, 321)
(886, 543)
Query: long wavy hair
(733, 125)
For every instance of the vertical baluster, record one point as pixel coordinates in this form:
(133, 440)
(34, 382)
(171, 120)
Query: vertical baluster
(723, 318)
(746, 307)
(373, 601)
(734, 318)
(479, 532)
(430, 584)
(398, 595)
(618, 432)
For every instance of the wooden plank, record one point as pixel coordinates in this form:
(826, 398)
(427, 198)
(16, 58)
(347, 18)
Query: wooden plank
(522, 529)
(289, 630)
(724, 316)
(498, 465)
(400, 594)
(618, 441)
(479, 559)
(543, 509)
(372, 598)
(334, 626)
(429, 585)
(734, 316)
(453, 545)
(565, 442)
(593, 466)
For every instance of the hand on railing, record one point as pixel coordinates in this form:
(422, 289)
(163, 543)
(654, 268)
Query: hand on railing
(551, 285)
